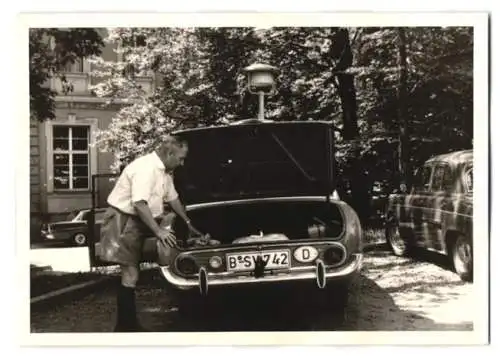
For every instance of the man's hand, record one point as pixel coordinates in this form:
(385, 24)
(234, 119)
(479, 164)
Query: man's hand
(167, 237)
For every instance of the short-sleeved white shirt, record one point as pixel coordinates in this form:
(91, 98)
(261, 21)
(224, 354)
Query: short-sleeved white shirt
(144, 178)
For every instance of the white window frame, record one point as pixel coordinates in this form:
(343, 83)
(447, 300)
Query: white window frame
(92, 152)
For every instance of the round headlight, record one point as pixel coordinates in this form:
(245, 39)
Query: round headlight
(333, 255)
(187, 265)
(215, 262)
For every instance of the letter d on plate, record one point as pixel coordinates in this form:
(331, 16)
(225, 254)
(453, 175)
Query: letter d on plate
(305, 254)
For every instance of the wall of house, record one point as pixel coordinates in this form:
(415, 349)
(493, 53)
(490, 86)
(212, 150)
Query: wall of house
(57, 204)
(78, 107)
(35, 190)
(34, 167)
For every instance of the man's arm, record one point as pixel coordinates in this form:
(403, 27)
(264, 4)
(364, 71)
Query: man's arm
(146, 216)
(178, 208)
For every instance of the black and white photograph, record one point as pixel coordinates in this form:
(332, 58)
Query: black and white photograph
(258, 176)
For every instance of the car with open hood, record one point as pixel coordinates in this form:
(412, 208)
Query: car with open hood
(263, 191)
(436, 213)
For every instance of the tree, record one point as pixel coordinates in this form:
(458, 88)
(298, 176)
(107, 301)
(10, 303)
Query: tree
(438, 105)
(402, 106)
(174, 56)
(50, 51)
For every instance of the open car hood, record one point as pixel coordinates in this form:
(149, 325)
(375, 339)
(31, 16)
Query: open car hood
(255, 160)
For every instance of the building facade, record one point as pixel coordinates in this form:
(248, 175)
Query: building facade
(62, 159)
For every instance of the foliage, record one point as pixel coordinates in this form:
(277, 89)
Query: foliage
(200, 81)
(439, 84)
(50, 50)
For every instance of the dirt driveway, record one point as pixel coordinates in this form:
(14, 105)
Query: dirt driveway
(406, 294)
(392, 294)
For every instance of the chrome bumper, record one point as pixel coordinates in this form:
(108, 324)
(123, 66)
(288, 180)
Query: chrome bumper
(347, 270)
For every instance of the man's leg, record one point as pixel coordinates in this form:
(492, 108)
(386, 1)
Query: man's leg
(126, 303)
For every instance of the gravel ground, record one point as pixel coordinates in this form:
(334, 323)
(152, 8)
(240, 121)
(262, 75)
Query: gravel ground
(407, 294)
(392, 294)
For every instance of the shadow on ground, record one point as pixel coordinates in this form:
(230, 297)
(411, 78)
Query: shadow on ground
(391, 294)
(369, 307)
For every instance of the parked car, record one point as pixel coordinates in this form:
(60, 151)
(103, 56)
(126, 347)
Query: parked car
(436, 213)
(264, 191)
(74, 231)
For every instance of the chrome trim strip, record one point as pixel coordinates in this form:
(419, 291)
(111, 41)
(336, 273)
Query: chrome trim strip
(256, 200)
(412, 207)
(331, 273)
(254, 246)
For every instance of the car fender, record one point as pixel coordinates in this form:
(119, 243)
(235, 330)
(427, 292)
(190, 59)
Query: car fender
(353, 233)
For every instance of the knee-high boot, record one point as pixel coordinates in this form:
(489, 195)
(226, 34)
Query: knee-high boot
(126, 318)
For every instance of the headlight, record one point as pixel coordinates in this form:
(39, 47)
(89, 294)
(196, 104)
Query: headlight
(215, 262)
(187, 265)
(333, 255)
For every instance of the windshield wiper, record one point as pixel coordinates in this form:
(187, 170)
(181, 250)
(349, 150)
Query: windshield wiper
(292, 158)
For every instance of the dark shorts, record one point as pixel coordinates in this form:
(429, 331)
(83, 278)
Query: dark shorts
(122, 238)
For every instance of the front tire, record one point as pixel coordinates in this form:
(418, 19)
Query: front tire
(462, 258)
(80, 239)
(395, 241)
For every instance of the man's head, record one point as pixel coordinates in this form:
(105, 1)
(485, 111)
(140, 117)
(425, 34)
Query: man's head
(172, 152)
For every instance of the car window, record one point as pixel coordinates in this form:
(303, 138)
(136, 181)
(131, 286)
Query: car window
(99, 214)
(469, 180)
(448, 179)
(443, 179)
(85, 216)
(438, 178)
(422, 178)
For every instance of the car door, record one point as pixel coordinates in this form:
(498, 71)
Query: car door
(439, 206)
(414, 204)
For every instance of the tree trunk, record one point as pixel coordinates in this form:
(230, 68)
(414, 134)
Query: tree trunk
(359, 181)
(403, 162)
(347, 93)
(341, 50)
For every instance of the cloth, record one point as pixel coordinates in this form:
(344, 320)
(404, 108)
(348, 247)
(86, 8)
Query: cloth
(144, 178)
(167, 254)
(122, 237)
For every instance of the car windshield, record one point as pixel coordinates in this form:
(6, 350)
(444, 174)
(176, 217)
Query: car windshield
(85, 215)
(79, 216)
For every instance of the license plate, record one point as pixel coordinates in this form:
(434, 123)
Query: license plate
(245, 261)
